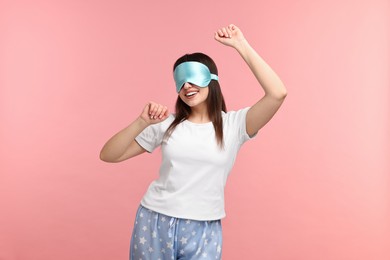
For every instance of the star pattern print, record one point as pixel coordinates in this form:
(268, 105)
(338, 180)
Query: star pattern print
(157, 236)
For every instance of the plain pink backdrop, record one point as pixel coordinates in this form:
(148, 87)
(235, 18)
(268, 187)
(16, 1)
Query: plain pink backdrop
(314, 183)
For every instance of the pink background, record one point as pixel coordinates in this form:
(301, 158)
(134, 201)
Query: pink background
(314, 184)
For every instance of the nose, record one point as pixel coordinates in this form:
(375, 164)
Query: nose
(186, 85)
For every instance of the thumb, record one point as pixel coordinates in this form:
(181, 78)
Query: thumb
(223, 40)
(218, 38)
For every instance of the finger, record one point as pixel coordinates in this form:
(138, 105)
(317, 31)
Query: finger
(220, 33)
(158, 111)
(216, 36)
(146, 109)
(164, 113)
(219, 38)
(225, 33)
(152, 110)
(230, 32)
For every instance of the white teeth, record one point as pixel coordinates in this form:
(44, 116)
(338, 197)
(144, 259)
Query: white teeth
(191, 94)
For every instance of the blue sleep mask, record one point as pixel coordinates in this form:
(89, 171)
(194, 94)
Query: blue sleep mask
(193, 72)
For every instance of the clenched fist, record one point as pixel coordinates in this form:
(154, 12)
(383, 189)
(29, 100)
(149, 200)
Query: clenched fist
(154, 113)
(230, 35)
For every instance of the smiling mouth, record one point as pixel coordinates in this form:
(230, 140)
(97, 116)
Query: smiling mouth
(190, 94)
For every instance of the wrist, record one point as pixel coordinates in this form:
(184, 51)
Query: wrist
(142, 122)
(242, 45)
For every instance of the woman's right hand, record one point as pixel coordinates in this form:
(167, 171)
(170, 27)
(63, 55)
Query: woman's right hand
(154, 113)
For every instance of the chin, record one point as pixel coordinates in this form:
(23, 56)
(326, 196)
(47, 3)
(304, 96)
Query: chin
(192, 104)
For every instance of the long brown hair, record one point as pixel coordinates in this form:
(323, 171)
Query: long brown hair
(215, 101)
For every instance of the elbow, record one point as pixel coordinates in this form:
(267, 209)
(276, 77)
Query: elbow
(103, 157)
(282, 94)
(279, 96)
(279, 93)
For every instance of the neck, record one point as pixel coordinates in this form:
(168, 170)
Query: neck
(199, 114)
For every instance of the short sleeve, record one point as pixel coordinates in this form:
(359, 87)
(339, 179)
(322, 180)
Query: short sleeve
(237, 122)
(152, 136)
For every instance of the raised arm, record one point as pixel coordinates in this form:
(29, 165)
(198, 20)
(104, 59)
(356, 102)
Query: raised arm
(122, 145)
(260, 113)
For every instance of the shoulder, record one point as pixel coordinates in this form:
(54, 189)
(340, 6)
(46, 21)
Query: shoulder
(235, 119)
(235, 114)
(167, 122)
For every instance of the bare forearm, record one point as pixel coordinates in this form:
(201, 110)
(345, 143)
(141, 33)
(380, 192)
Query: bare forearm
(268, 79)
(116, 146)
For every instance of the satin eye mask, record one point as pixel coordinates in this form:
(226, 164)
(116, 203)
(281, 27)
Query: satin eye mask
(193, 72)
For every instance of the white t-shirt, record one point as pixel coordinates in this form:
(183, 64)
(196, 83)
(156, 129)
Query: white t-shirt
(194, 169)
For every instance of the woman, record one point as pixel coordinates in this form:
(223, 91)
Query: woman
(180, 214)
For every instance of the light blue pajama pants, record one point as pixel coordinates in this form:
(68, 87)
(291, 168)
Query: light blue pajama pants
(161, 237)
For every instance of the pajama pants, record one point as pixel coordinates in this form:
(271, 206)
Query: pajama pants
(161, 237)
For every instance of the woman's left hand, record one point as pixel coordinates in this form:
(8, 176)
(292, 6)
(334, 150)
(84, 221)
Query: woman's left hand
(229, 36)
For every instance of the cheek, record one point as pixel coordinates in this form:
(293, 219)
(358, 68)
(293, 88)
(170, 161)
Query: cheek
(182, 98)
(180, 95)
(205, 92)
